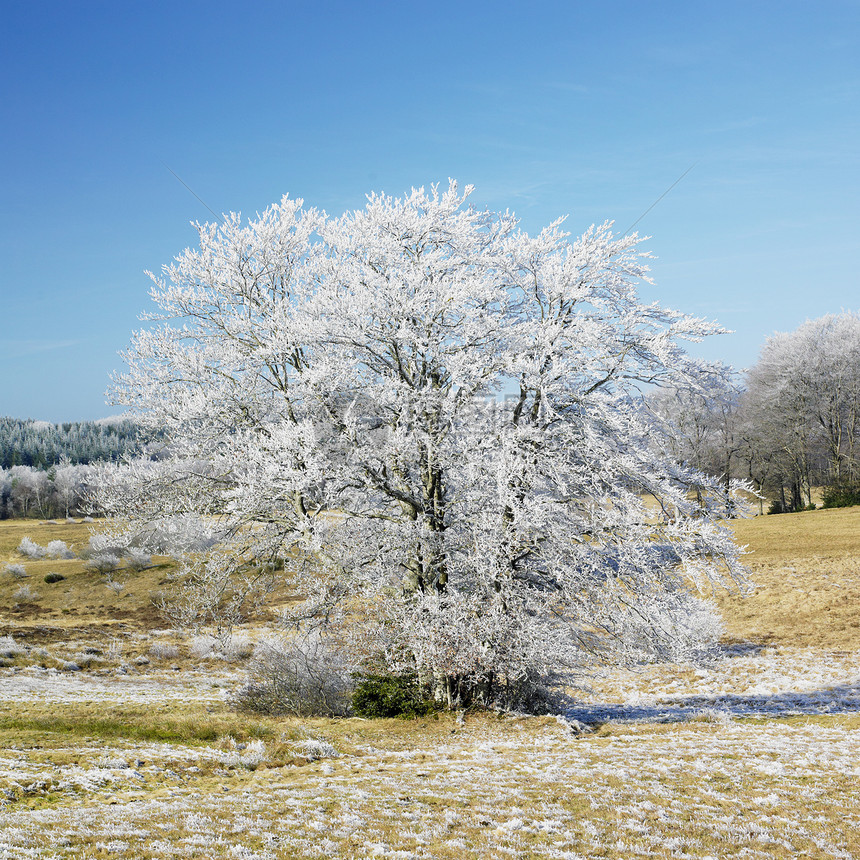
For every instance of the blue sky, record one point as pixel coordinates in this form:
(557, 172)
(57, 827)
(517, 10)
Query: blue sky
(586, 109)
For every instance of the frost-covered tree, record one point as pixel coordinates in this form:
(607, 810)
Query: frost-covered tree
(802, 407)
(701, 424)
(430, 423)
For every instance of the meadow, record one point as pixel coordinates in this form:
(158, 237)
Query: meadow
(118, 739)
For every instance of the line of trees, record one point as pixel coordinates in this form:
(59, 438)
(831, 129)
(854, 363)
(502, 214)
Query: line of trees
(791, 425)
(41, 444)
(62, 490)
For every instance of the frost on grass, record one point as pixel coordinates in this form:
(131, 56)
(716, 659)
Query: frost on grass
(10, 648)
(696, 790)
(315, 748)
(747, 682)
(163, 651)
(704, 785)
(31, 549)
(247, 755)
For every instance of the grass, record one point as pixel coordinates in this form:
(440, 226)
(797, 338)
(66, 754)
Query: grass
(143, 760)
(83, 598)
(805, 569)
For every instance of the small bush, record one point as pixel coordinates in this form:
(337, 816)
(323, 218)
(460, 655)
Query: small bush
(840, 497)
(775, 507)
(54, 577)
(16, 570)
(102, 544)
(390, 696)
(303, 676)
(58, 549)
(105, 562)
(137, 559)
(31, 549)
(201, 647)
(25, 595)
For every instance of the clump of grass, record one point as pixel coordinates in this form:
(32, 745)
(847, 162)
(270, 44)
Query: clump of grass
(248, 755)
(233, 648)
(163, 651)
(25, 595)
(87, 658)
(10, 649)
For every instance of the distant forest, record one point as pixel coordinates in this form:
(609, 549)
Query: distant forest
(40, 444)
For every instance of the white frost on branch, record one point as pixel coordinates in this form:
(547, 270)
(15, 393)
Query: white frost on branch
(430, 422)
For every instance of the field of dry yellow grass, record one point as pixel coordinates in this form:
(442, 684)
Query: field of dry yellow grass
(119, 740)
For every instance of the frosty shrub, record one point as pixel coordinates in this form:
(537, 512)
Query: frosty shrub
(229, 647)
(103, 544)
(16, 570)
(163, 651)
(250, 755)
(9, 648)
(31, 549)
(137, 559)
(25, 595)
(58, 549)
(303, 675)
(115, 585)
(314, 749)
(201, 647)
(105, 562)
(237, 647)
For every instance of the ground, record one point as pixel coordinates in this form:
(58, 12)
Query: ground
(120, 741)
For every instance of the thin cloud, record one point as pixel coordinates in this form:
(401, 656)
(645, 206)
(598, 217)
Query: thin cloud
(31, 347)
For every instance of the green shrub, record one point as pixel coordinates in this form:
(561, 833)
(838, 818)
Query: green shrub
(840, 497)
(54, 577)
(390, 696)
(776, 507)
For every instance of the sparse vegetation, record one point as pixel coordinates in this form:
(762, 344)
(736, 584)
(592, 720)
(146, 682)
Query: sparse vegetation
(754, 756)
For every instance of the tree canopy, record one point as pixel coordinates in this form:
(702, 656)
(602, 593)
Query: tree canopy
(431, 423)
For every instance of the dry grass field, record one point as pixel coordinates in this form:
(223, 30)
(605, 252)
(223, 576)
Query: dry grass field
(118, 739)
